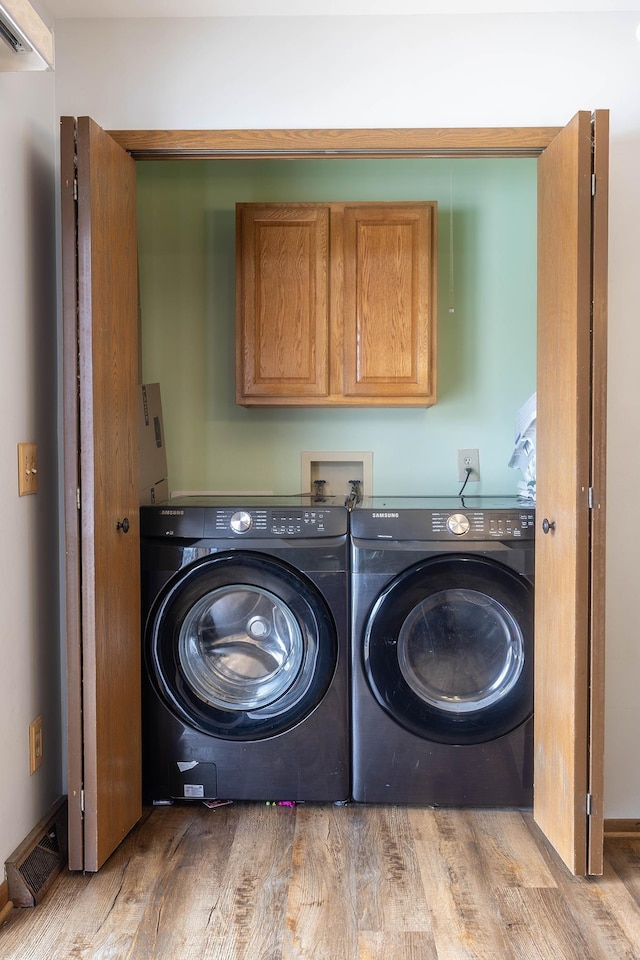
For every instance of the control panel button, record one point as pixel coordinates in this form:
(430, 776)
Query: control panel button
(458, 524)
(241, 522)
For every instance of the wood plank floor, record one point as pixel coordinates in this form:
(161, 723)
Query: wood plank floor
(323, 882)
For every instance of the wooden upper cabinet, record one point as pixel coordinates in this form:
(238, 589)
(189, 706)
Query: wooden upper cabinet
(389, 301)
(282, 294)
(336, 304)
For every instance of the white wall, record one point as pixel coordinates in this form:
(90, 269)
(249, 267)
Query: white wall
(503, 70)
(30, 633)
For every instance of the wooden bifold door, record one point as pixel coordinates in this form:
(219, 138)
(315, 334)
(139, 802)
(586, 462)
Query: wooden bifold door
(101, 375)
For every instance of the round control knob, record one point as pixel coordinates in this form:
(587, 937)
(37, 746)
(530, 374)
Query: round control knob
(241, 521)
(458, 524)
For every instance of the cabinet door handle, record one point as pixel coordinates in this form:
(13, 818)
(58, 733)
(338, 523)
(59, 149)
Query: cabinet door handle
(548, 525)
(123, 525)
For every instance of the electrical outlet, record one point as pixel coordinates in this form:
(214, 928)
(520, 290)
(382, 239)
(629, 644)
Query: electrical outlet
(468, 460)
(35, 744)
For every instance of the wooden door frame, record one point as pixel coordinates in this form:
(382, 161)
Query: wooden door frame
(364, 144)
(599, 353)
(464, 143)
(75, 766)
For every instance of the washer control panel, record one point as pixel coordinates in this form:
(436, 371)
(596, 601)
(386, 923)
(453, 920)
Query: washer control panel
(235, 522)
(272, 522)
(457, 523)
(482, 524)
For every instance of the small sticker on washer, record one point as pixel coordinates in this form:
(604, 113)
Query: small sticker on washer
(194, 791)
(184, 765)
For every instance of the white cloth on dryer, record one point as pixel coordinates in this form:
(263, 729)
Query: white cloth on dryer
(523, 457)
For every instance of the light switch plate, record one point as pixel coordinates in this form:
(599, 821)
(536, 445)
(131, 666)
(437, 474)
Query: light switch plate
(27, 469)
(35, 744)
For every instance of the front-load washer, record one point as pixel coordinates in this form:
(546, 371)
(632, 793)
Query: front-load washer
(442, 651)
(245, 625)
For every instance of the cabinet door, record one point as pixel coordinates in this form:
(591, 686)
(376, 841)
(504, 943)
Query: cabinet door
(389, 319)
(282, 302)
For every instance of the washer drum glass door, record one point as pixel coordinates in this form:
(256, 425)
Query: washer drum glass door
(241, 646)
(448, 649)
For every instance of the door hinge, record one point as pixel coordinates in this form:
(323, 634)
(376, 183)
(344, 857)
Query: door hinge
(82, 801)
(75, 189)
(590, 498)
(593, 184)
(589, 804)
(78, 497)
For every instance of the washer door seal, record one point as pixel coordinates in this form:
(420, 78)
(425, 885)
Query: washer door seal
(448, 649)
(241, 646)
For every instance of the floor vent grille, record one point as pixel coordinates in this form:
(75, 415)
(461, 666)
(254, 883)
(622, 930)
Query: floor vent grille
(33, 866)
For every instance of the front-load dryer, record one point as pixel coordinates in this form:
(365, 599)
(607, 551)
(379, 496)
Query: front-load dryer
(442, 651)
(245, 623)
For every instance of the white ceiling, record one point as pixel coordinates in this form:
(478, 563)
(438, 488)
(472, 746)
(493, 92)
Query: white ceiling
(293, 8)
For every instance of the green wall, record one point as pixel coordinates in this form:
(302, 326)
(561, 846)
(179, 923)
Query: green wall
(486, 323)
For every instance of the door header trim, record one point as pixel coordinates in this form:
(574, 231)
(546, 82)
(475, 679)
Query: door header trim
(348, 143)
